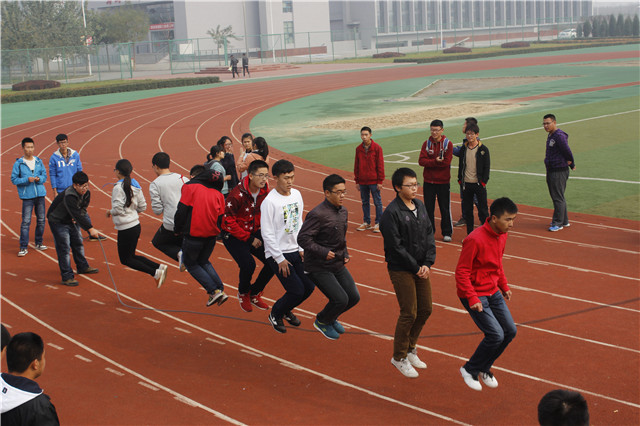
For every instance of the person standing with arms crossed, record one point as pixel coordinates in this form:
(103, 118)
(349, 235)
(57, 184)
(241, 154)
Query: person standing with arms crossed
(558, 160)
(482, 288)
(410, 252)
(473, 175)
(369, 175)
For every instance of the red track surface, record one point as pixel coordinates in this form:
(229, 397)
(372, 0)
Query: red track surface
(575, 298)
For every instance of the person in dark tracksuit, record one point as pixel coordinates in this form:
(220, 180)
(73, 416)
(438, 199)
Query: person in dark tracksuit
(473, 175)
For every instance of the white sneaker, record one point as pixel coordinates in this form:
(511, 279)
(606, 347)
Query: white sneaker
(489, 380)
(446, 238)
(472, 382)
(160, 276)
(376, 228)
(23, 252)
(181, 266)
(405, 368)
(364, 227)
(413, 359)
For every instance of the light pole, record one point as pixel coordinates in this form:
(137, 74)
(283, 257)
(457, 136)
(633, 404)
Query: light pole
(84, 21)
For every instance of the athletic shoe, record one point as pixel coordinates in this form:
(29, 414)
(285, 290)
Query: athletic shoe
(89, 270)
(41, 247)
(446, 238)
(471, 380)
(365, 226)
(160, 276)
(338, 327)
(100, 238)
(292, 319)
(70, 282)
(489, 380)
(555, 228)
(277, 324)
(405, 368)
(163, 266)
(23, 252)
(215, 296)
(181, 266)
(566, 225)
(245, 302)
(327, 330)
(256, 300)
(460, 223)
(413, 359)
(223, 298)
(376, 228)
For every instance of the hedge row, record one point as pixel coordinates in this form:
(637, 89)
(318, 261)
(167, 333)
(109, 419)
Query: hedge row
(124, 86)
(503, 53)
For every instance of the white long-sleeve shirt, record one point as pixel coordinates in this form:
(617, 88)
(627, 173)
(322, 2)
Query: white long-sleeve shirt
(165, 193)
(280, 222)
(126, 217)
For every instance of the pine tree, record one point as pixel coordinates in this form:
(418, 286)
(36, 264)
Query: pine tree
(636, 26)
(586, 28)
(612, 26)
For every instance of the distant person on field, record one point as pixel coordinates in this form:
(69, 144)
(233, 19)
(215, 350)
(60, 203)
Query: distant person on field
(245, 65)
(29, 176)
(369, 176)
(456, 153)
(473, 175)
(323, 239)
(23, 401)
(435, 157)
(6, 336)
(558, 160)
(234, 66)
(259, 151)
(165, 193)
(410, 252)
(482, 288)
(563, 408)
(229, 161)
(66, 215)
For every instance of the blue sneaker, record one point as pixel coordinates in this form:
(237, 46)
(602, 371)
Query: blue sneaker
(555, 228)
(338, 327)
(327, 330)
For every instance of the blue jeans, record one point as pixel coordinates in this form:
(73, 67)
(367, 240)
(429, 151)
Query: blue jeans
(68, 237)
(27, 209)
(365, 190)
(195, 256)
(496, 323)
(297, 285)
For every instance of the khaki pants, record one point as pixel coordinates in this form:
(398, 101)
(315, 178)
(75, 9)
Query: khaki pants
(414, 297)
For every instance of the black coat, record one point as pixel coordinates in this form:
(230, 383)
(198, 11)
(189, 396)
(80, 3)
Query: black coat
(483, 163)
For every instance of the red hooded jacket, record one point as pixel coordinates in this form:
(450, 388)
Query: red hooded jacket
(242, 214)
(369, 165)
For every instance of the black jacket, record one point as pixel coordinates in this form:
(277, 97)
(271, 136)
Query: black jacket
(324, 229)
(408, 240)
(69, 206)
(483, 163)
(24, 403)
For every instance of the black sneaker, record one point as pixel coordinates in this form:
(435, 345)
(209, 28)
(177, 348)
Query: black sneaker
(460, 223)
(277, 324)
(100, 238)
(292, 319)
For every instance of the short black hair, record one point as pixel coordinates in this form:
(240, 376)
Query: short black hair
(223, 140)
(332, 180)
(255, 165)
(27, 140)
(80, 178)
(470, 120)
(436, 123)
(562, 407)
(398, 176)
(472, 127)
(196, 170)
(161, 160)
(281, 167)
(365, 128)
(503, 205)
(6, 336)
(551, 116)
(23, 349)
(61, 137)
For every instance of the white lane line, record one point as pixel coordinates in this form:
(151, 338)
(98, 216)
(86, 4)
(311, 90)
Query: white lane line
(180, 282)
(31, 280)
(82, 358)
(225, 259)
(11, 273)
(460, 311)
(246, 351)
(54, 346)
(148, 386)
(215, 341)
(377, 293)
(113, 371)
(152, 320)
(122, 367)
(182, 330)
(123, 310)
(74, 294)
(375, 260)
(185, 401)
(557, 333)
(52, 287)
(98, 302)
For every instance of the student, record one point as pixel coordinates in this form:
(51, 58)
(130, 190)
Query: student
(245, 65)
(280, 221)
(410, 252)
(562, 407)
(63, 164)
(196, 219)
(29, 176)
(260, 151)
(66, 215)
(23, 401)
(165, 193)
(322, 237)
(243, 238)
(456, 153)
(473, 175)
(247, 147)
(228, 161)
(127, 201)
(368, 170)
(214, 163)
(234, 66)
(482, 287)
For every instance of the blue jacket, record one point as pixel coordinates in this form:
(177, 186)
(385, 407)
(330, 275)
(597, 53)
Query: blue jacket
(20, 177)
(558, 153)
(62, 170)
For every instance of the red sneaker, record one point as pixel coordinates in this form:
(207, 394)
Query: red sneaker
(256, 300)
(245, 302)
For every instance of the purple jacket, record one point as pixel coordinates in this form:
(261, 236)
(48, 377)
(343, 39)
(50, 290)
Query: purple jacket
(558, 152)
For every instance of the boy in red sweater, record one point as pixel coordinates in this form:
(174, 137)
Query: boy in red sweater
(482, 288)
(369, 175)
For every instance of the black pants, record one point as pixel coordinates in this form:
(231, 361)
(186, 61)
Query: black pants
(234, 71)
(167, 242)
(127, 243)
(245, 68)
(297, 285)
(243, 253)
(443, 192)
(474, 190)
(341, 291)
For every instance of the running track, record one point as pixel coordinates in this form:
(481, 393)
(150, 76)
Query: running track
(575, 297)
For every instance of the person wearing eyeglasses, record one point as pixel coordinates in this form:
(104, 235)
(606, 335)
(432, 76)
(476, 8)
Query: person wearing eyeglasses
(410, 252)
(473, 174)
(242, 235)
(322, 237)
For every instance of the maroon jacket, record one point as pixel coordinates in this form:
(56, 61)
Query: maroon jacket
(369, 166)
(242, 215)
(436, 171)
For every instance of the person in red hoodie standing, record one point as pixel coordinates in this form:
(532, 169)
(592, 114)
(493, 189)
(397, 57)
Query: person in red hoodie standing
(482, 289)
(243, 239)
(369, 175)
(435, 157)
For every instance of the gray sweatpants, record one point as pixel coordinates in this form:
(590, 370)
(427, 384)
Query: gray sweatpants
(557, 183)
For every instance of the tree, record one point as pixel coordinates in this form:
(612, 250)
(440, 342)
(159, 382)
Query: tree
(612, 26)
(595, 28)
(586, 28)
(620, 25)
(627, 27)
(579, 31)
(636, 26)
(220, 37)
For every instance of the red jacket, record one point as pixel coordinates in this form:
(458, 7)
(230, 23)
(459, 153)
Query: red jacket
(436, 171)
(369, 165)
(479, 271)
(201, 203)
(242, 214)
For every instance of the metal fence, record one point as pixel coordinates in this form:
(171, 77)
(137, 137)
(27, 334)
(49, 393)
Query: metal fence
(148, 59)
